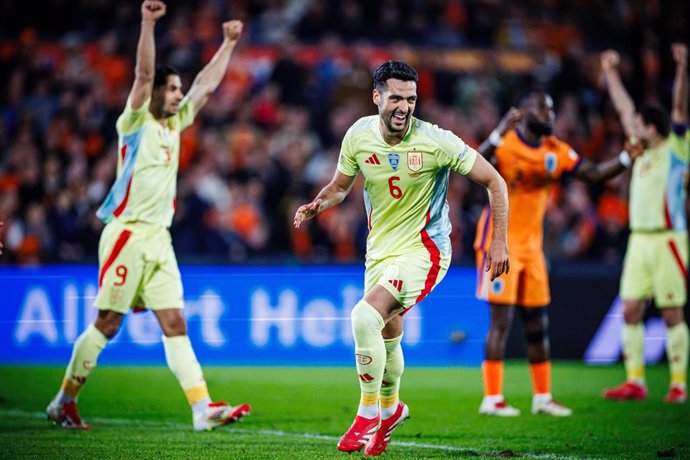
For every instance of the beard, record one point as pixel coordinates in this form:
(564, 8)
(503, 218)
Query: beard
(539, 128)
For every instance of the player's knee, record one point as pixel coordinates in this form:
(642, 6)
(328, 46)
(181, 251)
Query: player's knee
(108, 323)
(175, 327)
(365, 318)
(537, 337)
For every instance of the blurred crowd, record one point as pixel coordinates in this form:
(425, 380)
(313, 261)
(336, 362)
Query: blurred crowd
(268, 140)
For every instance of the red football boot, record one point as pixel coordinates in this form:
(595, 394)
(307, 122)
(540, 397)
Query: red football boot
(378, 443)
(676, 395)
(629, 391)
(66, 416)
(359, 433)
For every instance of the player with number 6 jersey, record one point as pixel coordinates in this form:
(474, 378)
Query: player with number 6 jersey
(406, 163)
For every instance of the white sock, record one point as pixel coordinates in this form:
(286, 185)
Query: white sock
(63, 398)
(542, 398)
(201, 405)
(368, 411)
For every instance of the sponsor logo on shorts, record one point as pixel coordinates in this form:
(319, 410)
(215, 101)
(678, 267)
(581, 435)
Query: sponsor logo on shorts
(79, 379)
(397, 284)
(88, 365)
(497, 286)
(115, 295)
(363, 359)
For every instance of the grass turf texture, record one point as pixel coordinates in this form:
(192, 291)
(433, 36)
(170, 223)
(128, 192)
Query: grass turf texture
(139, 412)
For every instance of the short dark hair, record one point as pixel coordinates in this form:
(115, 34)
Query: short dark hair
(162, 74)
(527, 94)
(393, 69)
(654, 115)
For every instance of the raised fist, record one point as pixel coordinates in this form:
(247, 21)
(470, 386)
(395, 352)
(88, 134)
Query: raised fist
(609, 59)
(680, 53)
(232, 30)
(152, 10)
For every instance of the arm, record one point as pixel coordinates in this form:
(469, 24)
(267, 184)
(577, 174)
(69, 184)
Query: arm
(331, 195)
(144, 72)
(598, 172)
(211, 75)
(508, 122)
(679, 111)
(1, 246)
(486, 175)
(622, 101)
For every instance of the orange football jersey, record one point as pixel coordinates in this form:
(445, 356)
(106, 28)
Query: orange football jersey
(529, 171)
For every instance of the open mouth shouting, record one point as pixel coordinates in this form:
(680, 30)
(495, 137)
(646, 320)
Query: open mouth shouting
(399, 119)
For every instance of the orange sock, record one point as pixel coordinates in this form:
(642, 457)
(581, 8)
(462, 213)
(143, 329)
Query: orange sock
(541, 377)
(492, 377)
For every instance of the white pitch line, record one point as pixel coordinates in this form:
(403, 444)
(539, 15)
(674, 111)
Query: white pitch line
(286, 434)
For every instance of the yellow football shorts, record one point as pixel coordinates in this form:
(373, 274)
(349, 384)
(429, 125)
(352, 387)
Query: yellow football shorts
(409, 277)
(137, 268)
(655, 265)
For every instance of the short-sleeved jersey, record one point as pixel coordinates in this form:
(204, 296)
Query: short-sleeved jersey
(148, 157)
(405, 185)
(529, 171)
(658, 185)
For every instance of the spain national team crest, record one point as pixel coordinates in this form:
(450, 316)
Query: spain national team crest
(394, 160)
(415, 161)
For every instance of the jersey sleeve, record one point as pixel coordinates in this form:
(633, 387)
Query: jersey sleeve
(453, 152)
(185, 116)
(131, 120)
(680, 142)
(347, 162)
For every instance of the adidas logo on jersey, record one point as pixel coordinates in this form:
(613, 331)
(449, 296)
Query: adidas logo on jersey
(373, 160)
(397, 284)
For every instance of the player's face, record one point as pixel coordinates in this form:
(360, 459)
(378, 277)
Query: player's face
(396, 104)
(539, 114)
(169, 96)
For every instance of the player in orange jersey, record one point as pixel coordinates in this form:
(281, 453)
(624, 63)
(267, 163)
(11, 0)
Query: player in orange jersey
(530, 159)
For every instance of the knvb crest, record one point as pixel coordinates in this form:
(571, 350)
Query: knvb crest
(394, 160)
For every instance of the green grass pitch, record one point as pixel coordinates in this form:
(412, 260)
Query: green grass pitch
(299, 413)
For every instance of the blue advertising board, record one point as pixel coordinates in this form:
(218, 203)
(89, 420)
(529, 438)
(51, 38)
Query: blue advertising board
(283, 316)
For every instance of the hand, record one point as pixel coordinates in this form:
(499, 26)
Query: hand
(152, 10)
(232, 30)
(509, 120)
(680, 54)
(610, 59)
(497, 260)
(635, 147)
(306, 212)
